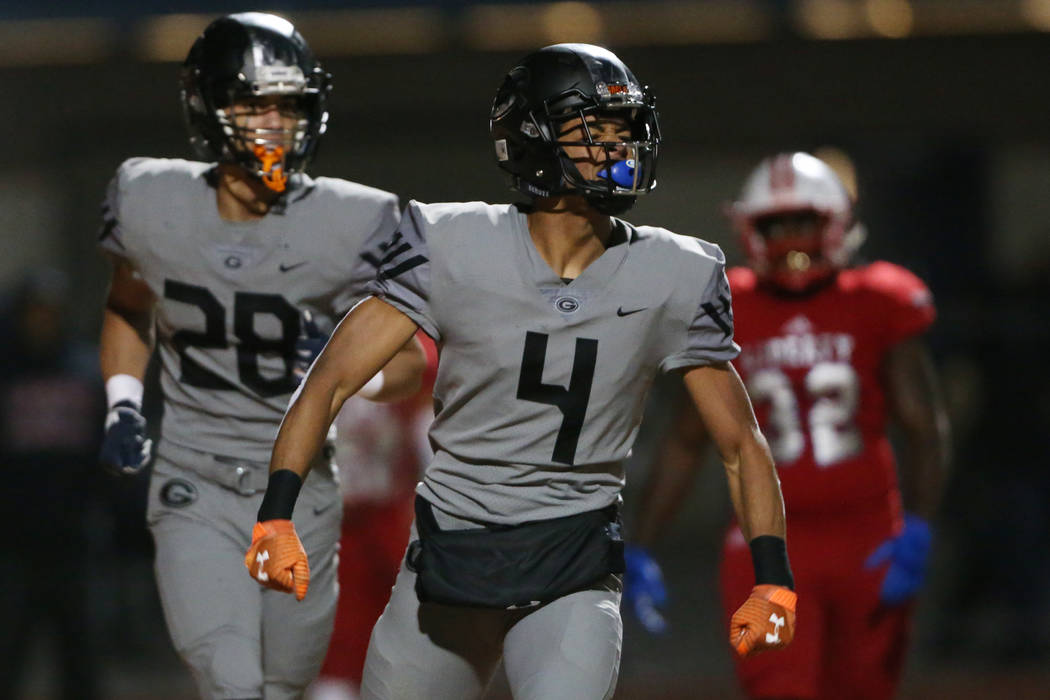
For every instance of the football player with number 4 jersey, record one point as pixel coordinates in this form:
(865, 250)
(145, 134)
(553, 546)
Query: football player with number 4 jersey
(226, 263)
(830, 355)
(552, 319)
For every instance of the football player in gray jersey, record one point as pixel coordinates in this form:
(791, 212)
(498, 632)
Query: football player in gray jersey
(552, 320)
(221, 262)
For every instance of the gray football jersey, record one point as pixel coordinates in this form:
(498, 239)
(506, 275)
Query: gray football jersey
(230, 295)
(541, 384)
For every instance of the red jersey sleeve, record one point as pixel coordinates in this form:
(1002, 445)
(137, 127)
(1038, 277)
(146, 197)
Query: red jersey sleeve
(908, 304)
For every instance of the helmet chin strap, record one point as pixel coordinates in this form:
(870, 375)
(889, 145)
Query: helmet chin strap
(272, 159)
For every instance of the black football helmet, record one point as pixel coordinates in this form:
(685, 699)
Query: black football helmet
(567, 82)
(254, 55)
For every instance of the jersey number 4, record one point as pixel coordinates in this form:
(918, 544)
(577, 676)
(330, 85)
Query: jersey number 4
(572, 402)
(249, 346)
(834, 390)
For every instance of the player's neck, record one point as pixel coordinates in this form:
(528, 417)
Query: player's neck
(569, 233)
(240, 196)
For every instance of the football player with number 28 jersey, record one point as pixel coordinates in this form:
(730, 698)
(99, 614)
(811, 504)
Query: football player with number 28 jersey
(224, 263)
(830, 355)
(552, 320)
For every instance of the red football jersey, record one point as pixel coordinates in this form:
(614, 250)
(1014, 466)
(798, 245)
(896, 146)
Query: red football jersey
(812, 366)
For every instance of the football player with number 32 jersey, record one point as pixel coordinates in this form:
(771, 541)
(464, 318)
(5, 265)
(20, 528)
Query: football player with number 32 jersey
(552, 319)
(830, 355)
(222, 262)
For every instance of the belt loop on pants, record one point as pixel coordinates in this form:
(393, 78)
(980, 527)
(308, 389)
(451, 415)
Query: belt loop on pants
(246, 478)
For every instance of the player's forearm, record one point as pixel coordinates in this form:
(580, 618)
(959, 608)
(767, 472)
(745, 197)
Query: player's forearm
(303, 431)
(327, 386)
(760, 510)
(363, 342)
(926, 454)
(126, 342)
(670, 478)
(918, 410)
(925, 469)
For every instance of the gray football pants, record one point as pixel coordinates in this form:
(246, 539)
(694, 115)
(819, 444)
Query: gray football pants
(568, 649)
(239, 639)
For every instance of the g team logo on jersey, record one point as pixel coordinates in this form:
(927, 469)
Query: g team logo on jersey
(567, 304)
(178, 493)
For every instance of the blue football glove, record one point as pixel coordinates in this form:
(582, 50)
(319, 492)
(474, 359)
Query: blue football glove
(308, 345)
(125, 447)
(644, 590)
(907, 554)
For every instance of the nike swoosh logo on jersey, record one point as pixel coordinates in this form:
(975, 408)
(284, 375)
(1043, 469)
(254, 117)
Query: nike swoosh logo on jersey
(621, 312)
(320, 509)
(285, 268)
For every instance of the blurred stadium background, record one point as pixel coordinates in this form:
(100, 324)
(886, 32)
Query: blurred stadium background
(942, 105)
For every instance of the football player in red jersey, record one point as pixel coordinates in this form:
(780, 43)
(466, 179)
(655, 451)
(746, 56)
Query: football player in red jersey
(831, 356)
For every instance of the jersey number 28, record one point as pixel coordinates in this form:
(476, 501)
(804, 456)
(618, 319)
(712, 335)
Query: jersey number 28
(250, 344)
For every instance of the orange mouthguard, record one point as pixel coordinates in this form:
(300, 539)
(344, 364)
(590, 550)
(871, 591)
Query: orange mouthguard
(272, 166)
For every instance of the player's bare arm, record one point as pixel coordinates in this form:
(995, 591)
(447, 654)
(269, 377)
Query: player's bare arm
(917, 409)
(670, 477)
(725, 410)
(362, 344)
(125, 345)
(668, 480)
(127, 323)
(766, 620)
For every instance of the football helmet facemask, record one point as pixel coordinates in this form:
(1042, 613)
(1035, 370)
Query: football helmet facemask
(243, 65)
(792, 216)
(545, 96)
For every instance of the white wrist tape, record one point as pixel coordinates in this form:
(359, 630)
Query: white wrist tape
(372, 387)
(123, 387)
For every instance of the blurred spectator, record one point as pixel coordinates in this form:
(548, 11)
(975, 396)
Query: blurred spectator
(50, 410)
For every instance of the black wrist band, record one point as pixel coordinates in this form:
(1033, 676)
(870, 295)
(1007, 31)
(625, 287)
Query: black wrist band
(281, 492)
(770, 559)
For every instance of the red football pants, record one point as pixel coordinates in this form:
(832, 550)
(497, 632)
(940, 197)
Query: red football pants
(373, 542)
(847, 644)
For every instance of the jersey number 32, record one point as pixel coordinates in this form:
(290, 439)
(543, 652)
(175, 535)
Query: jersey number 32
(833, 390)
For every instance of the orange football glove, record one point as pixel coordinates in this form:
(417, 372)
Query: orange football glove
(766, 620)
(277, 559)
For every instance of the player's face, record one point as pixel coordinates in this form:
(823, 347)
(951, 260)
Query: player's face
(271, 120)
(794, 243)
(589, 160)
